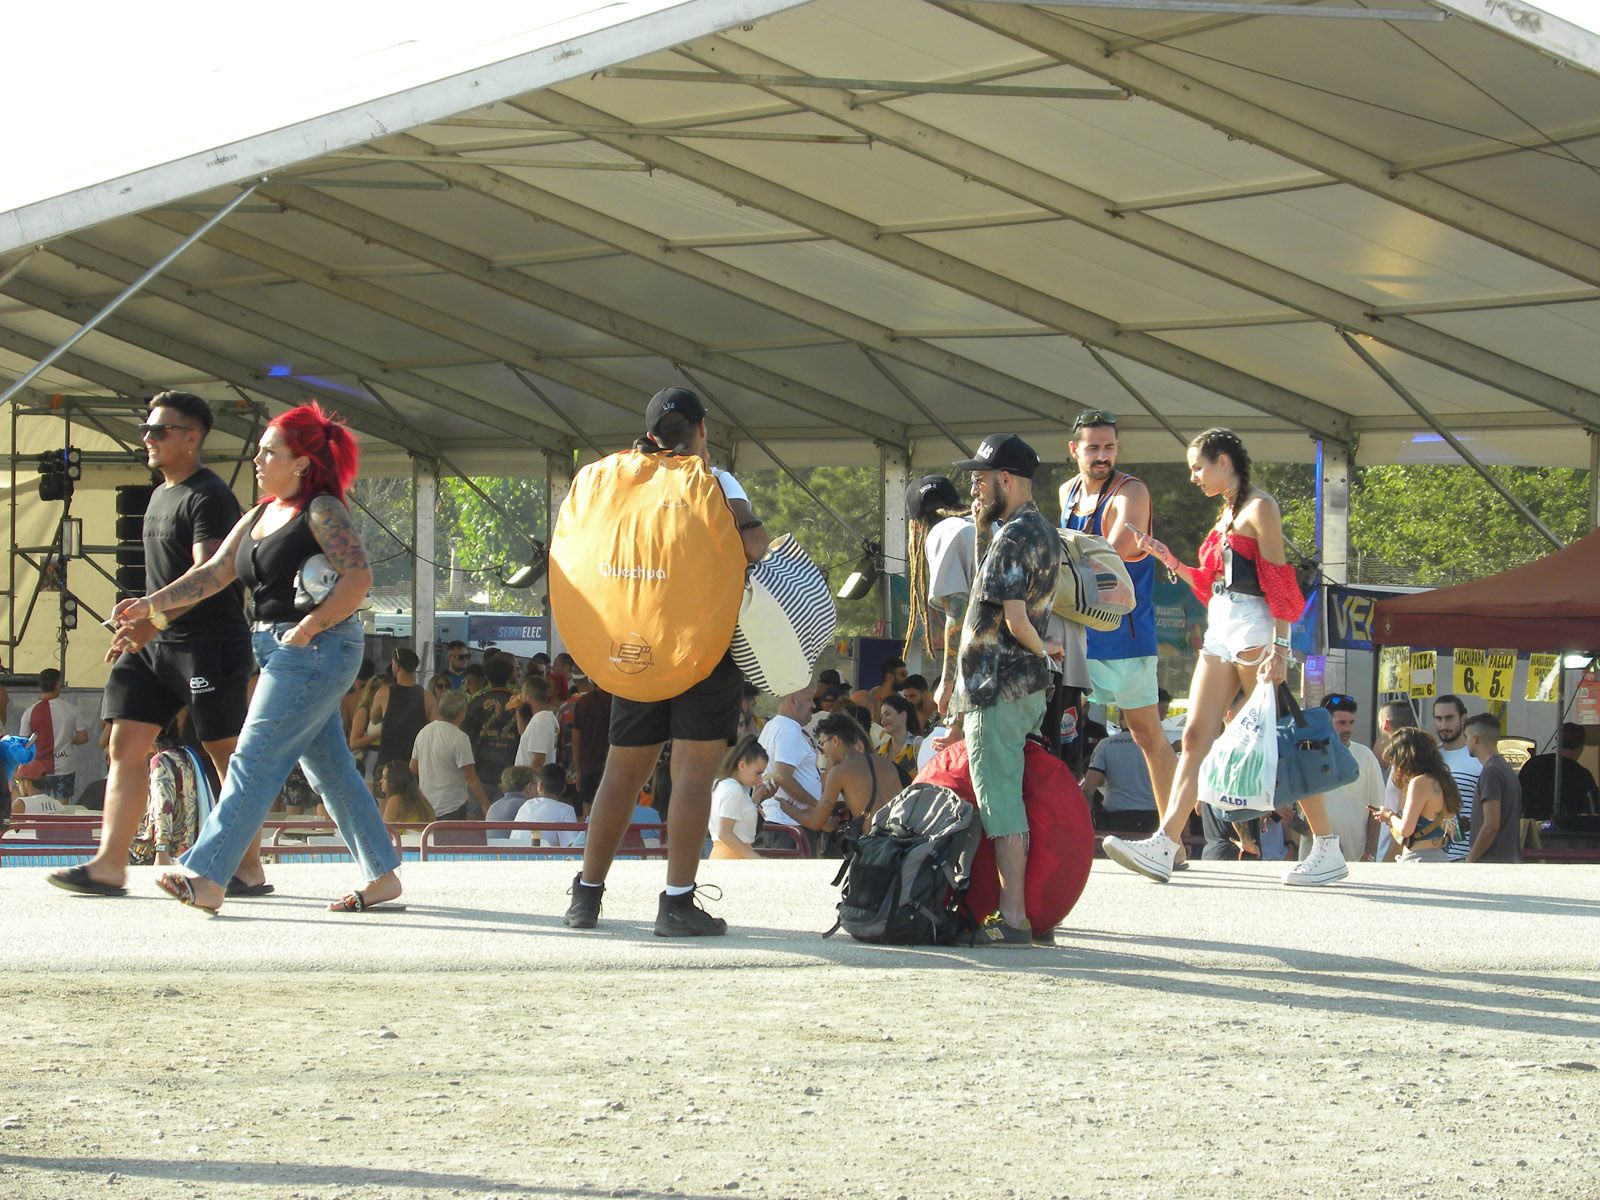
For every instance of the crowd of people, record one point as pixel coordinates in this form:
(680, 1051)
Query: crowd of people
(289, 713)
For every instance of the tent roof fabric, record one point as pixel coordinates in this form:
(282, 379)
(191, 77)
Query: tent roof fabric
(1549, 605)
(894, 226)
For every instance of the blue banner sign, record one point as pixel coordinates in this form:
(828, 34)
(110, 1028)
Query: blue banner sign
(1350, 618)
(499, 628)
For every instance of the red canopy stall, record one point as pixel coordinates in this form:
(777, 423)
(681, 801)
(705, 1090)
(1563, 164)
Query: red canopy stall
(1549, 605)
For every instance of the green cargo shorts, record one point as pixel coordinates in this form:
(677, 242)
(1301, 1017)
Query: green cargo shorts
(994, 748)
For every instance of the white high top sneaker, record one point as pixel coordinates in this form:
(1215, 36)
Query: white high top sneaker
(1151, 857)
(1325, 864)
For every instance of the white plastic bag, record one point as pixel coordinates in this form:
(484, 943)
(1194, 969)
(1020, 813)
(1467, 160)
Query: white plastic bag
(1239, 777)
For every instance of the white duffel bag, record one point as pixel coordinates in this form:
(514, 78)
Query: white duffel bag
(786, 621)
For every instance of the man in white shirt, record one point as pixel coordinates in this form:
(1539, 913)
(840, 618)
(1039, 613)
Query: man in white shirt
(443, 763)
(1347, 806)
(548, 807)
(1450, 724)
(68, 730)
(792, 763)
(537, 748)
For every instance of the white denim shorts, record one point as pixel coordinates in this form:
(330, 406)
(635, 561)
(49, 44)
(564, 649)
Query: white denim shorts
(1236, 623)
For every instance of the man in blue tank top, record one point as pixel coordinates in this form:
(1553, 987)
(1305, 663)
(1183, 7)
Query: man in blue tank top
(1122, 662)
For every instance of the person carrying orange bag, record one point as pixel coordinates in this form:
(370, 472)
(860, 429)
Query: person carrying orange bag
(647, 565)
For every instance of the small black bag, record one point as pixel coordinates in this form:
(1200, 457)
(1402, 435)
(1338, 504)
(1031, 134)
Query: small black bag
(905, 878)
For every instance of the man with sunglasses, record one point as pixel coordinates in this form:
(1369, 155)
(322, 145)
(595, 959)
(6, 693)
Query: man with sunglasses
(1122, 662)
(197, 658)
(1348, 807)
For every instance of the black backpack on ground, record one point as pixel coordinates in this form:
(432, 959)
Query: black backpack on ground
(905, 876)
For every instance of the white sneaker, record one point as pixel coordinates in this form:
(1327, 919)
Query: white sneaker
(1325, 864)
(1151, 857)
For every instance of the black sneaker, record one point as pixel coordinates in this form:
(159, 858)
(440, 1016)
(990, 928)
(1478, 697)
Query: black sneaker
(584, 911)
(682, 916)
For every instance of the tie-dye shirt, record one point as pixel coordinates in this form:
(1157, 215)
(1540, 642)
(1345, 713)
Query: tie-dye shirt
(1021, 563)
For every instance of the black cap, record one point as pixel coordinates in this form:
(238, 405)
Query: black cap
(672, 401)
(929, 494)
(1003, 452)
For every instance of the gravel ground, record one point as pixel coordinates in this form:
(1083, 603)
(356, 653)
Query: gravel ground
(1110, 1065)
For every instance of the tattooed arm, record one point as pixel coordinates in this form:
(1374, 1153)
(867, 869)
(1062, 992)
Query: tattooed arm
(184, 592)
(336, 533)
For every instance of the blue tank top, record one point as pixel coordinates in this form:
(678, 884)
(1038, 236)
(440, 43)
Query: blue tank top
(1136, 636)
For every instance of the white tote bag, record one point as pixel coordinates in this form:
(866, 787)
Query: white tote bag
(1239, 776)
(786, 621)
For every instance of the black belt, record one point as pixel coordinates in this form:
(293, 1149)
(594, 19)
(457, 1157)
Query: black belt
(1218, 587)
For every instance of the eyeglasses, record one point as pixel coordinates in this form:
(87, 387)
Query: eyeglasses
(157, 432)
(1338, 702)
(1096, 417)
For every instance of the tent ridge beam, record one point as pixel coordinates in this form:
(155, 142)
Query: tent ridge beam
(587, 312)
(961, 274)
(1304, 144)
(1180, 246)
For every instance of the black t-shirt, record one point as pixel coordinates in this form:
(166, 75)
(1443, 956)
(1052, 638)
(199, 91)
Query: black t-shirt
(200, 509)
(491, 723)
(1538, 780)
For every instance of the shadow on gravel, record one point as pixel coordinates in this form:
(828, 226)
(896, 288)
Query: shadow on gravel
(240, 1171)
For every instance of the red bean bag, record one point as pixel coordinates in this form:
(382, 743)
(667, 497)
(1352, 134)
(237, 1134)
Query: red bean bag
(1061, 834)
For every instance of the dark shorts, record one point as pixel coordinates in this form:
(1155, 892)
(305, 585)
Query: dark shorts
(707, 712)
(211, 678)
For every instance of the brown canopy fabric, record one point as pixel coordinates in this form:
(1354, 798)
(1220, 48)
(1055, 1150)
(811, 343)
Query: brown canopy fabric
(1551, 605)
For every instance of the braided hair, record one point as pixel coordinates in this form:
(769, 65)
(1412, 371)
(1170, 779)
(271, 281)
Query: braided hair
(1214, 443)
(917, 572)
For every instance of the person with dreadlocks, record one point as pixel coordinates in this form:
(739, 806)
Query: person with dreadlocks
(939, 554)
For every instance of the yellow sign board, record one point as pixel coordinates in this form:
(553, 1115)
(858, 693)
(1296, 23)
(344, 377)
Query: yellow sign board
(1471, 669)
(1543, 675)
(1394, 670)
(1488, 674)
(1502, 672)
(1424, 673)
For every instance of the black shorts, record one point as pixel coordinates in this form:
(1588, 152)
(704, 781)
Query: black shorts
(211, 678)
(707, 712)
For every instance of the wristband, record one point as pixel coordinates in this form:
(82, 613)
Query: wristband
(1278, 641)
(159, 619)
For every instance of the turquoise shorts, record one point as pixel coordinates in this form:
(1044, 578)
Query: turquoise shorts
(1125, 682)
(994, 749)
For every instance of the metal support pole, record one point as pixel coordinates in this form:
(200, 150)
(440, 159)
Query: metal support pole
(424, 509)
(911, 397)
(1399, 389)
(894, 469)
(559, 482)
(1334, 466)
(131, 290)
(1594, 479)
(1106, 366)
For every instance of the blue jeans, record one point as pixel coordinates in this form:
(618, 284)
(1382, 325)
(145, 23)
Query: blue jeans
(294, 715)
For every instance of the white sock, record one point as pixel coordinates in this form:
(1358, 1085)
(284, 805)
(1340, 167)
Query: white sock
(679, 891)
(587, 884)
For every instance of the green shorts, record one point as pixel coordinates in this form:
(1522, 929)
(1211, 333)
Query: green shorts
(994, 748)
(1125, 682)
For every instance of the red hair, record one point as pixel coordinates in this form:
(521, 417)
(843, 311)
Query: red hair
(323, 439)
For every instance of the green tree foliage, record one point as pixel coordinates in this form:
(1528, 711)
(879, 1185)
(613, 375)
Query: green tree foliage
(1445, 523)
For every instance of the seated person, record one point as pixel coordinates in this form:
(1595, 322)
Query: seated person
(734, 799)
(548, 805)
(858, 782)
(402, 800)
(898, 717)
(516, 787)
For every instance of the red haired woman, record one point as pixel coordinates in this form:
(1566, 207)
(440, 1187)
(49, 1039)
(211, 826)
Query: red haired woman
(309, 646)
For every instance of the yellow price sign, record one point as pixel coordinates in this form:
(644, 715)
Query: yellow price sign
(1471, 672)
(1543, 675)
(1424, 673)
(1501, 672)
(1394, 670)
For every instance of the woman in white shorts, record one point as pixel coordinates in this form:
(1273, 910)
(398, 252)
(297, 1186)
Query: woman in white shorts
(1251, 599)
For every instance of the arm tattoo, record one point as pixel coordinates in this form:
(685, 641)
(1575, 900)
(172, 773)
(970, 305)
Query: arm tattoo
(194, 586)
(337, 535)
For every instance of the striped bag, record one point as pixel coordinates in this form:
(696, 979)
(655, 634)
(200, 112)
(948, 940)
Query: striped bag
(786, 620)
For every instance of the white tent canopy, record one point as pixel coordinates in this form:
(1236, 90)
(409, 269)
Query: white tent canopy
(858, 227)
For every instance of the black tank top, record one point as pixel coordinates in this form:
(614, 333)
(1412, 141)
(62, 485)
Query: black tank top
(269, 567)
(403, 718)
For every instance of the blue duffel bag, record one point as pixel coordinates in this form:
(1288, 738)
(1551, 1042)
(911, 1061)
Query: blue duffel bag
(1311, 758)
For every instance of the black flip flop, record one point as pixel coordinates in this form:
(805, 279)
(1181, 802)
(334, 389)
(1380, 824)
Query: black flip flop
(355, 902)
(238, 887)
(79, 881)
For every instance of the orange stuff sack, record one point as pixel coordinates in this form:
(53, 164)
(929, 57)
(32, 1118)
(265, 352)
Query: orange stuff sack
(646, 573)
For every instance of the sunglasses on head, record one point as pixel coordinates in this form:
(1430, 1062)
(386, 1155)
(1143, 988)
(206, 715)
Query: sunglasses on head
(1338, 702)
(1097, 417)
(156, 432)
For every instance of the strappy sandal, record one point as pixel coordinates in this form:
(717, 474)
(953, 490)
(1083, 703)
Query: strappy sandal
(355, 902)
(181, 889)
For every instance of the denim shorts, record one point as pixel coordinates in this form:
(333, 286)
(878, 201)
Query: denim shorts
(1236, 623)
